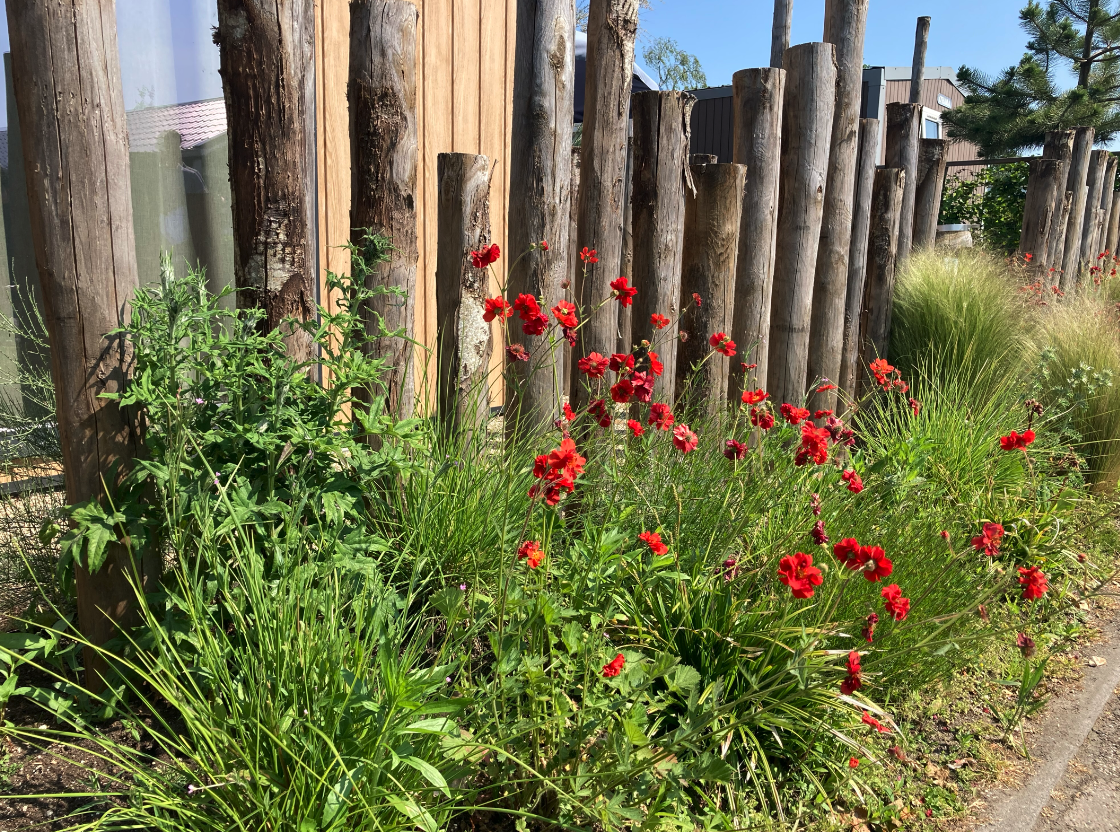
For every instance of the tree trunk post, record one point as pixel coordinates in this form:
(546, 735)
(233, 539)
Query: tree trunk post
(886, 205)
(857, 258)
(611, 28)
(711, 244)
(626, 265)
(757, 96)
(1059, 145)
(80, 204)
(464, 338)
(1044, 184)
(1098, 162)
(826, 330)
(918, 65)
(779, 38)
(806, 136)
(933, 158)
(903, 129)
(1108, 188)
(1076, 185)
(541, 192)
(267, 64)
(573, 264)
(1114, 225)
(661, 180)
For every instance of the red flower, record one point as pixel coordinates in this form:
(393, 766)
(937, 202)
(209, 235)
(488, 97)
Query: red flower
(622, 390)
(655, 365)
(643, 386)
(653, 540)
(852, 762)
(762, 419)
(660, 416)
(588, 256)
(798, 573)
(684, 439)
(847, 552)
(620, 362)
(565, 314)
(818, 534)
(989, 539)
(869, 627)
(658, 320)
(567, 459)
(754, 396)
(876, 565)
(530, 552)
(820, 414)
(527, 307)
(516, 352)
(896, 605)
(593, 366)
(854, 681)
(696, 299)
(730, 569)
(825, 387)
(624, 293)
(1033, 583)
(1028, 256)
(868, 719)
(535, 326)
(635, 427)
(721, 342)
(735, 450)
(855, 484)
(485, 256)
(496, 308)
(614, 667)
(814, 445)
(793, 415)
(600, 413)
(1016, 441)
(544, 244)
(568, 414)
(915, 406)
(1025, 644)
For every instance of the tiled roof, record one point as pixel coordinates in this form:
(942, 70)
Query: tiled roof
(195, 121)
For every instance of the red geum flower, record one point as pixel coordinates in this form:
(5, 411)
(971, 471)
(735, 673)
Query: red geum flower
(875, 563)
(1025, 644)
(852, 762)
(1033, 582)
(915, 406)
(622, 390)
(658, 320)
(820, 414)
(896, 605)
(614, 666)
(660, 416)
(527, 307)
(655, 365)
(762, 419)
(516, 352)
(989, 539)
(543, 244)
(818, 533)
(621, 362)
(869, 627)
(530, 552)
(1016, 441)
(643, 386)
(535, 326)
(798, 573)
(600, 412)
(566, 459)
(653, 540)
(593, 366)
(485, 256)
(568, 414)
(721, 342)
(793, 415)
(684, 439)
(496, 308)
(868, 719)
(735, 450)
(588, 256)
(814, 445)
(847, 552)
(696, 299)
(854, 681)
(565, 314)
(855, 484)
(730, 569)
(754, 396)
(623, 292)
(635, 427)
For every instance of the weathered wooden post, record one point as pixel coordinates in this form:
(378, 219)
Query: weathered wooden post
(1098, 162)
(826, 331)
(886, 213)
(626, 265)
(1114, 225)
(661, 180)
(806, 136)
(903, 129)
(1108, 188)
(464, 338)
(1076, 184)
(267, 64)
(611, 28)
(918, 65)
(779, 38)
(1059, 145)
(857, 257)
(540, 193)
(933, 157)
(383, 159)
(711, 243)
(757, 97)
(1044, 183)
(80, 202)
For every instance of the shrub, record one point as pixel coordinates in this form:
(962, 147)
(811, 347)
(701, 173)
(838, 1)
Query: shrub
(992, 201)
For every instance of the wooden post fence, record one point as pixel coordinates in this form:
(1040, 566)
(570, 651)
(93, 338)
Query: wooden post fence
(886, 213)
(381, 92)
(1113, 225)
(933, 158)
(464, 339)
(711, 243)
(1077, 187)
(903, 129)
(1098, 162)
(756, 112)
(661, 180)
(857, 257)
(1040, 211)
(1108, 188)
(267, 60)
(806, 136)
(540, 191)
(779, 39)
(1059, 145)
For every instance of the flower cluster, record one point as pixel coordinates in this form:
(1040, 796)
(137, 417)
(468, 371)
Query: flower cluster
(853, 481)
(854, 680)
(871, 561)
(814, 445)
(530, 552)
(896, 605)
(534, 322)
(887, 376)
(653, 540)
(558, 470)
(1033, 582)
(1017, 441)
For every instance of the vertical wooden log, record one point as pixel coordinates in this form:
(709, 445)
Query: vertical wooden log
(826, 330)
(1098, 162)
(757, 96)
(79, 196)
(711, 243)
(267, 64)
(626, 266)
(933, 157)
(540, 188)
(779, 38)
(857, 258)
(1114, 225)
(661, 179)
(574, 265)
(464, 338)
(903, 129)
(1059, 145)
(918, 65)
(1044, 183)
(1076, 184)
(886, 213)
(1108, 188)
(383, 158)
(806, 135)
(611, 28)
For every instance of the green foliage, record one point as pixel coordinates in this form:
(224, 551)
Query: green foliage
(991, 201)
(675, 68)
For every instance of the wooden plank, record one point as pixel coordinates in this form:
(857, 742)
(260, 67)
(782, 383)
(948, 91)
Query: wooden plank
(465, 76)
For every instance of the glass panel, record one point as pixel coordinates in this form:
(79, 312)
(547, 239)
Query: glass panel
(933, 129)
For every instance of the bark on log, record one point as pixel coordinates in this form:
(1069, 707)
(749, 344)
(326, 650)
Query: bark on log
(933, 158)
(80, 202)
(1098, 162)
(573, 264)
(826, 330)
(267, 64)
(1107, 190)
(626, 264)
(857, 259)
(383, 161)
(806, 135)
(711, 243)
(661, 179)
(779, 38)
(541, 190)
(611, 28)
(757, 97)
(1059, 145)
(886, 213)
(1076, 184)
(903, 129)
(918, 64)
(1044, 184)
(1114, 225)
(464, 338)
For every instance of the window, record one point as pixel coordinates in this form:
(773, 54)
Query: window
(932, 129)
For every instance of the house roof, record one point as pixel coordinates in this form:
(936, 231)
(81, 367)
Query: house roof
(195, 121)
(642, 79)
